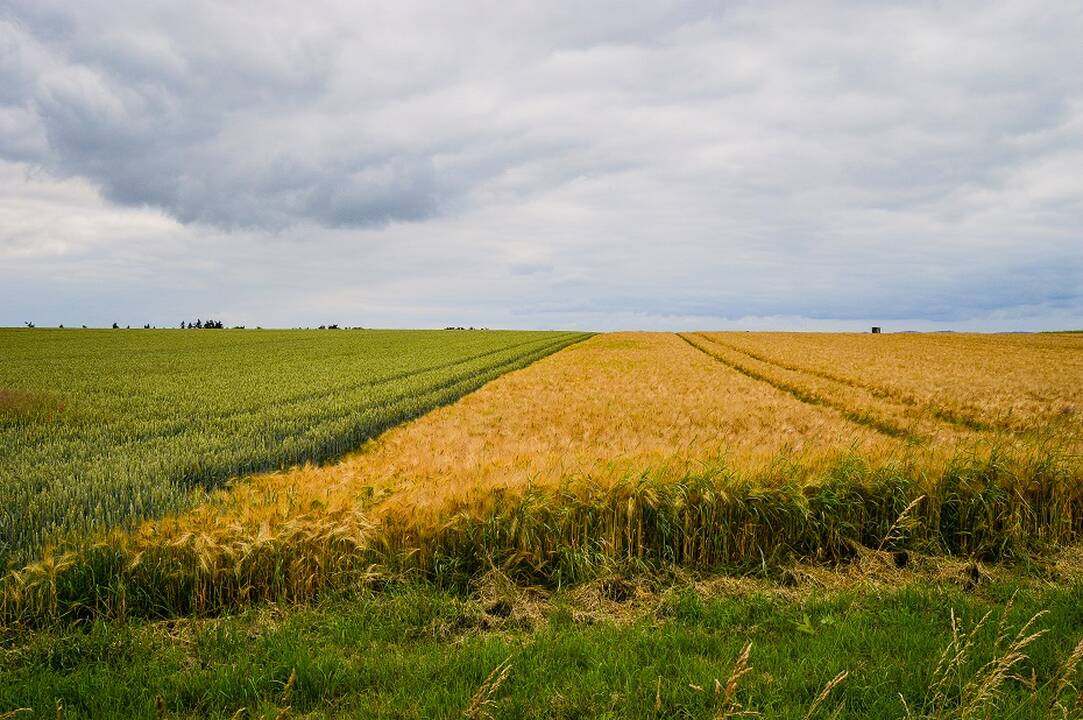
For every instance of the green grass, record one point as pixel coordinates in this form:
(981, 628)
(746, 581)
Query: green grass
(416, 652)
(100, 428)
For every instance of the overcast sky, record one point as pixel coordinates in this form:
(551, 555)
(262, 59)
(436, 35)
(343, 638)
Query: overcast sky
(542, 164)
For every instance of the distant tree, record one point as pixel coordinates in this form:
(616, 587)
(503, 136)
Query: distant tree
(115, 326)
(61, 326)
(207, 324)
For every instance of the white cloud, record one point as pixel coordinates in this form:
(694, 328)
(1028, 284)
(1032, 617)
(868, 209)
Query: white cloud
(643, 164)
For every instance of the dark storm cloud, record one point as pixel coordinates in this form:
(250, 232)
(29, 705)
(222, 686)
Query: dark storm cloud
(249, 115)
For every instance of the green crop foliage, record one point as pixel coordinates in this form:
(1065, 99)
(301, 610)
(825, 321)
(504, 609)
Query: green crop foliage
(103, 428)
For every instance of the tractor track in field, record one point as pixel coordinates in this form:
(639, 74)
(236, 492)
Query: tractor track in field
(951, 417)
(884, 427)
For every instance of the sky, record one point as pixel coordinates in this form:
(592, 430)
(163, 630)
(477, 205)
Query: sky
(601, 165)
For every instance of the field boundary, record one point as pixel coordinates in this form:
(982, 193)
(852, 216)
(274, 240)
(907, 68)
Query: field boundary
(285, 435)
(285, 404)
(295, 399)
(442, 394)
(555, 345)
(386, 379)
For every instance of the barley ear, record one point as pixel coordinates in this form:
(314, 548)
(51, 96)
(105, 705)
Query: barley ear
(483, 699)
(288, 690)
(825, 692)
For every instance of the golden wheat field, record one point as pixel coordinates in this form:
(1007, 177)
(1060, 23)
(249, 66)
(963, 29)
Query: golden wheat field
(612, 407)
(1015, 382)
(622, 404)
(703, 449)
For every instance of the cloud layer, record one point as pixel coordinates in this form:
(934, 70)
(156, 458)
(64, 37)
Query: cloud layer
(503, 163)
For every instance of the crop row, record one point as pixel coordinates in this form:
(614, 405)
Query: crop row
(1019, 383)
(129, 429)
(991, 507)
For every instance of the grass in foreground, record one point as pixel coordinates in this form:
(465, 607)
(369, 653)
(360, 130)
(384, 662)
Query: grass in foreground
(605, 650)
